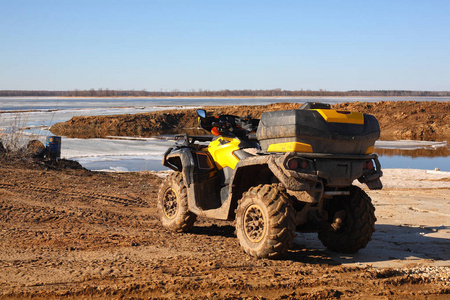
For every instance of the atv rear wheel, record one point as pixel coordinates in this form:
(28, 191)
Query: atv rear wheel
(265, 221)
(173, 204)
(352, 223)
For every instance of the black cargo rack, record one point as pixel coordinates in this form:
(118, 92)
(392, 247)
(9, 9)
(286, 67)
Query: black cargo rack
(188, 140)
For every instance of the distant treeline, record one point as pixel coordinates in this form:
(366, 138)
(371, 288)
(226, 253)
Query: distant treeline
(221, 93)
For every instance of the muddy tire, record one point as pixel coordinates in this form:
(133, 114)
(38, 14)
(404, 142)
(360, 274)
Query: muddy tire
(265, 221)
(173, 204)
(358, 223)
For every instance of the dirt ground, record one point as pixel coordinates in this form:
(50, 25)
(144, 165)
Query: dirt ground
(70, 233)
(398, 120)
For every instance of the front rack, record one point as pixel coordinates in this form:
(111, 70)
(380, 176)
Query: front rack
(187, 140)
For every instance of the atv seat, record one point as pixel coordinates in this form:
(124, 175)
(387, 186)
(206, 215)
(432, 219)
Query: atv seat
(315, 105)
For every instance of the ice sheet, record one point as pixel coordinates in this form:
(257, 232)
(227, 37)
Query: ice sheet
(45, 103)
(409, 144)
(116, 154)
(49, 118)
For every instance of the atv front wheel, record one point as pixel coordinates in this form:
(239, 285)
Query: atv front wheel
(173, 204)
(352, 222)
(265, 221)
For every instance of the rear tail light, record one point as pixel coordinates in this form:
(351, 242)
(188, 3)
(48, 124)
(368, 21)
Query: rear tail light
(293, 164)
(304, 164)
(298, 164)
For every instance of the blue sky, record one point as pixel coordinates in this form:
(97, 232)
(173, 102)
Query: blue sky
(186, 45)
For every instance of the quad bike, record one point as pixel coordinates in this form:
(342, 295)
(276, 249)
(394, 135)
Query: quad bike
(295, 177)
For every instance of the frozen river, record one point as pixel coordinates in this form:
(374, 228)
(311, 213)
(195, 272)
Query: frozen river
(34, 116)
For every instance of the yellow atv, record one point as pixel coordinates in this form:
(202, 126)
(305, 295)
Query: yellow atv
(296, 176)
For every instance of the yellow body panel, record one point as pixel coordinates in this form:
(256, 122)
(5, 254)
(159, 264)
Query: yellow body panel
(290, 147)
(334, 116)
(222, 150)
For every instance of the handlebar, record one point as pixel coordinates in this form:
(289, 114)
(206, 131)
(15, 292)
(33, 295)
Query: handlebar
(227, 124)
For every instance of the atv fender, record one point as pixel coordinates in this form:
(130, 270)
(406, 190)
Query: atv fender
(272, 164)
(263, 168)
(181, 160)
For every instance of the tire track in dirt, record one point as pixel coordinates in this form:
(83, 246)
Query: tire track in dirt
(23, 187)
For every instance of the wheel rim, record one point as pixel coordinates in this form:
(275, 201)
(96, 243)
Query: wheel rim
(170, 204)
(254, 223)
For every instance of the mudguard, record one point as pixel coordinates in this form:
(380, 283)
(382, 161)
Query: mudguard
(181, 160)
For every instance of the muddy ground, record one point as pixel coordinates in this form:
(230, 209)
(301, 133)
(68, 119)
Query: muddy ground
(70, 233)
(398, 120)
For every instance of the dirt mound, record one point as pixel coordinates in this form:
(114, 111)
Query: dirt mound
(153, 123)
(408, 120)
(398, 120)
(25, 160)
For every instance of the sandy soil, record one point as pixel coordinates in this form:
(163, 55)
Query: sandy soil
(69, 233)
(398, 120)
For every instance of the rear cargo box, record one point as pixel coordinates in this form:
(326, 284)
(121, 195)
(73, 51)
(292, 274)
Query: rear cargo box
(318, 131)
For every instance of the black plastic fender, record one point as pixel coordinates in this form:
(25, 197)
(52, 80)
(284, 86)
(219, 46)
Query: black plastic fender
(246, 171)
(181, 160)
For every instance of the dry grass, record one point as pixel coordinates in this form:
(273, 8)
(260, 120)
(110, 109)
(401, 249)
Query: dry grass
(13, 139)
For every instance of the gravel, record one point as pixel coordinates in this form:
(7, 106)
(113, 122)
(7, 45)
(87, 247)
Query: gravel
(441, 274)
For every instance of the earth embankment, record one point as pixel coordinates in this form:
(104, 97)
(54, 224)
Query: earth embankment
(398, 120)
